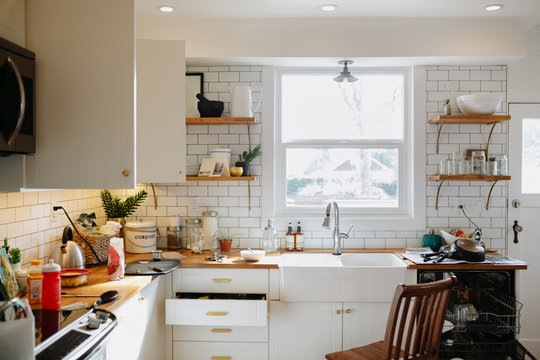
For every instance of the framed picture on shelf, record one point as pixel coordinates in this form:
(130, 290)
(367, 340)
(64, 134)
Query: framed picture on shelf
(211, 167)
(194, 86)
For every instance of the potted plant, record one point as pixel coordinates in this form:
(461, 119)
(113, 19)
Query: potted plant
(447, 109)
(116, 209)
(15, 259)
(6, 245)
(432, 239)
(248, 157)
(225, 241)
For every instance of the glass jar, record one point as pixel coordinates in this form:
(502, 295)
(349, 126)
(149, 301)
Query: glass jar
(210, 226)
(195, 235)
(478, 162)
(174, 238)
(270, 238)
(493, 166)
(503, 164)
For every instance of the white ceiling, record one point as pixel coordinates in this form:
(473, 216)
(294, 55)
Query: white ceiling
(347, 8)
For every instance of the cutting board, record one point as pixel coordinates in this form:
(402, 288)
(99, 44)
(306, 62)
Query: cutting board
(149, 267)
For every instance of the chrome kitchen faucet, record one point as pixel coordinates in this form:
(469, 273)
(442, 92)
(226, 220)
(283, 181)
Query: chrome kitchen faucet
(337, 234)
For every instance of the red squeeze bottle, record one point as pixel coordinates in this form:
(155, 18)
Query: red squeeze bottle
(50, 293)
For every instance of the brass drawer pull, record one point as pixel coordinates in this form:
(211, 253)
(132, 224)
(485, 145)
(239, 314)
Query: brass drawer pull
(216, 313)
(221, 358)
(221, 281)
(348, 311)
(221, 330)
(338, 312)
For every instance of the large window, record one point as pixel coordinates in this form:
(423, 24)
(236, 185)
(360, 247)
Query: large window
(343, 141)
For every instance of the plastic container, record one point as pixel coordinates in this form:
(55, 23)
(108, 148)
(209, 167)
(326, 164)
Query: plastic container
(210, 226)
(141, 237)
(51, 299)
(74, 277)
(35, 282)
(270, 238)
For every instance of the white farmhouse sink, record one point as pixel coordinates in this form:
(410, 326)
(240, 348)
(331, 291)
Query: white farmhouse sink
(358, 277)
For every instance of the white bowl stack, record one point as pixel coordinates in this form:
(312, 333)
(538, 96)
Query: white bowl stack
(479, 104)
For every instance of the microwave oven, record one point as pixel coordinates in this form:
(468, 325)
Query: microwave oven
(17, 99)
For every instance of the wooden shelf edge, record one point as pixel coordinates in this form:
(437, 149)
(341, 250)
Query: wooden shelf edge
(221, 178)
(469, 119)
(221, 121)
(469, 178)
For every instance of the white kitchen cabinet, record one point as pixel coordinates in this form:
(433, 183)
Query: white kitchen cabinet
(301, 330)
(140, 333)
(161, 128)
(219, 351)
(304, 330)
(12, 21)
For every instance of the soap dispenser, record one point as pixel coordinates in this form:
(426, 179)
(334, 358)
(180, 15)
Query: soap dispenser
(270, 238)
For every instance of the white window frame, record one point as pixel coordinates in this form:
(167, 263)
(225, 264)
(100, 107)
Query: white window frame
(411, 193)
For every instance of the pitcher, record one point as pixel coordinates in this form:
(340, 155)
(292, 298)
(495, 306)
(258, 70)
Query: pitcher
(241, 101)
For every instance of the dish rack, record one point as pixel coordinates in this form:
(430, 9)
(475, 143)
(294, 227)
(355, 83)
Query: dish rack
(497, 313)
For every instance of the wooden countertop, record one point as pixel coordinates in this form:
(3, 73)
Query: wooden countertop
(98, 281)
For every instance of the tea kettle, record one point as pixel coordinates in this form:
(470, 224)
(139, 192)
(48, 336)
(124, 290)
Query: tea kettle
(67, 253)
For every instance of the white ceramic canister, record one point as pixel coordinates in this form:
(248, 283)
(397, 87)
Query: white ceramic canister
(141, 236)
(221, 153)
(241, 101)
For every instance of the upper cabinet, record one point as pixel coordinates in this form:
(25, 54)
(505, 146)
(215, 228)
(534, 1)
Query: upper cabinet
(90, 132)
(161, 127)
(12, 21)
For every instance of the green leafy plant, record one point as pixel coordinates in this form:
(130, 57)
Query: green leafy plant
(446, 102)
(253, 154)
(116, 208)
(6, 245)
(15, 256)
(220, 236)
(433, 232)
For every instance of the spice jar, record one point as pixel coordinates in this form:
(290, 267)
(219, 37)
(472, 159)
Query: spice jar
(478, 162)
(493, 166)
(195, 235)
(174, 237)
(210, 226)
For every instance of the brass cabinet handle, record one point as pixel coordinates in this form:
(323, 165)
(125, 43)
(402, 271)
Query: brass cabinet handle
(221, 358)
(348, 311)
(216, 313)
(141, 297)
(221, 330)
(338, 312)
(125, 173)
(221, 281)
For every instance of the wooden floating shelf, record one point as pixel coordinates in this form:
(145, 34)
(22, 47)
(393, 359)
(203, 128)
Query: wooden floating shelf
(221, 178)
(221, 121)
(469, 119)
(469, 178)
(443, 178)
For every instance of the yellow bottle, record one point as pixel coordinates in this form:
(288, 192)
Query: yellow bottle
(35, 279)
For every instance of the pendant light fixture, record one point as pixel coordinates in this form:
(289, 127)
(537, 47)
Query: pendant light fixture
(345, 76)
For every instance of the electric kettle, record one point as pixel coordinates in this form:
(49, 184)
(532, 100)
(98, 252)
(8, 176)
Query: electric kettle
(67, 253)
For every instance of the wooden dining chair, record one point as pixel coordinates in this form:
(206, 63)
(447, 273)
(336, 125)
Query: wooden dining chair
(417, 312)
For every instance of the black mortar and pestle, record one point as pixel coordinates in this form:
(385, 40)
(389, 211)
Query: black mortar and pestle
(209, 108)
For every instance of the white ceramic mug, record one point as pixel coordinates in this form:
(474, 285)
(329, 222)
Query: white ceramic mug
(241, 101)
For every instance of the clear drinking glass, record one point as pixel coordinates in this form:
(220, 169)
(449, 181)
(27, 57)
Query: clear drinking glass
(464, 166)
(442, 167)
(450, 167)
(503, 164)
(493, 166)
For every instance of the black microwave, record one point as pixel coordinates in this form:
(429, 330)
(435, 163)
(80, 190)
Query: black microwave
(17, 99)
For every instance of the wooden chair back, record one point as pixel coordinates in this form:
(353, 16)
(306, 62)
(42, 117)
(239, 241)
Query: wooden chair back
(416, 318)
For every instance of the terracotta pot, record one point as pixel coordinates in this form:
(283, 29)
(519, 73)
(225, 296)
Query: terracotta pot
(225, 245)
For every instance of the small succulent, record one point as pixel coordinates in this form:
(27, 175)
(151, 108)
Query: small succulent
(433, 232)
(446, 102)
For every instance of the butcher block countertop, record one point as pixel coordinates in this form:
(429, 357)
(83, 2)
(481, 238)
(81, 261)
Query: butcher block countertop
(98, 281)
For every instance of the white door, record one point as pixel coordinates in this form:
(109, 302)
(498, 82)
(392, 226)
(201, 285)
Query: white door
(524, 166)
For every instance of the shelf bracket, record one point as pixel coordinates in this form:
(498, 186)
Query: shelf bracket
(489, 195)
(437, 199)
(489, 138)
(438, 137)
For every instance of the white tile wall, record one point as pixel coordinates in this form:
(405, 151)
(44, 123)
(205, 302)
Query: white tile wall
(25, 217)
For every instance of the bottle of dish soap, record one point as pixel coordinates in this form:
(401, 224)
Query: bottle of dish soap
(270, 238)
(299, 238)
(289, 238)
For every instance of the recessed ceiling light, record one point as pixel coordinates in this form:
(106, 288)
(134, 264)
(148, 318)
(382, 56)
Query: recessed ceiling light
(328, 7)
(493, 7)
(166, 9)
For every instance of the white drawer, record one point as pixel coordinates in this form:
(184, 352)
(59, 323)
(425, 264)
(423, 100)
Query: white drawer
(221, 280)
(220, 333)
(216, 312)
(219, 351)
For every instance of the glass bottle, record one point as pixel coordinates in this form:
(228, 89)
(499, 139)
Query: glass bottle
(270, 238)
(289, 238)
(299, 238)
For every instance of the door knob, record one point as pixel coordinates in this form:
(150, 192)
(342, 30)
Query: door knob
(348, 311)
(517, 228)
(338, 312)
